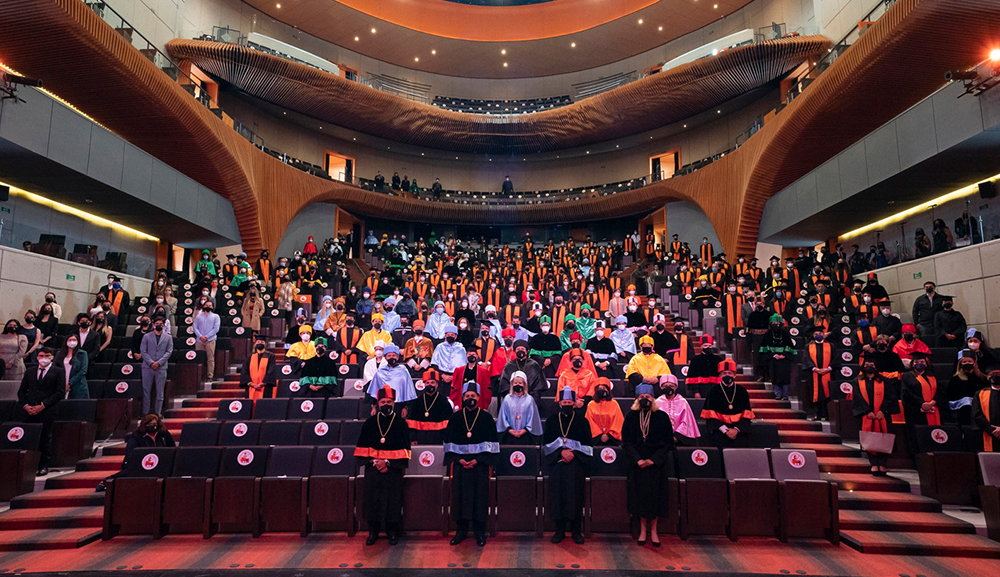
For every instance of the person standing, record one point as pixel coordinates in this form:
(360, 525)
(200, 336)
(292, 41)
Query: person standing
(13, 347)
(986, 413)
(874, 401)
(206, 330)
(647, 438)
(605, 415)
(431, 412)
(384, 448)
(251, 312)
(470, 448)
(156, 349)
(74, 362)
(566, 444)
(925, 307)
(41, 389)
(260, 372)
(778, 345)
(518, 421)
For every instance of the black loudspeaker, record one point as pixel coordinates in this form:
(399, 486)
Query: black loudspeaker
(4, 193)
(987, 189)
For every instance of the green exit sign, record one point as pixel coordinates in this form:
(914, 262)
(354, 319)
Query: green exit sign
(71, 277)
(917, 275)
(4, 209)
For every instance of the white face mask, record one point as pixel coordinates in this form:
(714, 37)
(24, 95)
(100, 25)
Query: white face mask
(71, 344)
(513, 300)
(886, 311)
(378, 353)
(463, 325)
(44, 362)
(621, 327)
(633, 308)
(305, 337)
(599, 333)
(545, 329)
(973, 346)
(159, 300)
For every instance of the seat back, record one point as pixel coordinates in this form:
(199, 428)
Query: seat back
(196, 461)
(939, 438)
(609, 462)
(234, 410)
(764, 436)
(239, 433)
(243, 461)
(290, 461)
(121, 389)
(270, 409)
(157, 462)
(794, 464)
(77, 410)
(20, 436)
(746, 464)
(334, 461)
(6, 410)
(989, 464)
(350, 431)
(319, 432)
(279, 433)
(427, 460)
(342, 409)
(518, 461)
(306, 409)
(200, 434)
(696, 406)
(699, 463)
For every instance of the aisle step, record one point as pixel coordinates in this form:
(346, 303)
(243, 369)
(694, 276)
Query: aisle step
(795, 424)
(59, 498)
(932, 544)
(824, 450)
(844, 465)
(887, 501)
(910, 522)
(867, 482)
(765, 413)
(78, 480)
(27, 540)
(51, 518)
(809, 437)
(110, 463)
(192, 413)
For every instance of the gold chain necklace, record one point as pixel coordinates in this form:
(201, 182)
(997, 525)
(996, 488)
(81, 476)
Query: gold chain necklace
(427, 409)
(728, 400)
(465, 417)
(565, 432)
(378, 422)
(644, 425)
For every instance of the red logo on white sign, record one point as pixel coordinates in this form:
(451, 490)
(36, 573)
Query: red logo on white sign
(190, 355)
(294, 386)
(940, 436)
(239, 429)
(306, 406)
(286, 370)
(335, 455)
(150, 461)
(321, 429)
(796, 460)
(15, 434)
(235, 407)
(245, 457)
(699, 458)
(517, 459)
(121, 388)
(846, 388)
(127, 369)
(609, 455)
(426, 459)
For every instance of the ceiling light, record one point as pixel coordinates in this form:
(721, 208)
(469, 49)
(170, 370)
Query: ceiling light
(373, 31)
(279, 6)
(685, 126)
(505, 65)
(321, 128)
(503, 51)
(433, 52)
(357, 38)
(572, 45)
(718, 112)
(715, 52)
(416, 59)
(355, 138)
(284, 112)
(995, 55)
(716, 6)
(640, 21)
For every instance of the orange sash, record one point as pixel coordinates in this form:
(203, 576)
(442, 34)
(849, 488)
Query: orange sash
(928, 388)
(258, 370)
(867, 423)
(821, 362)
(984, 403)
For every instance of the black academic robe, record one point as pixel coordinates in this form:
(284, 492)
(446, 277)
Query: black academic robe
(537, 384)
(604, 348)
(663, 342)
(565, 498)
(646, 485)
(986, 415)
(914, 396)
(383, 492)
(703, 372)
(428, 418)
(270, 373)
(470, 487)
(962, 392)
(873, 396)
(320, 370)
(729, 406)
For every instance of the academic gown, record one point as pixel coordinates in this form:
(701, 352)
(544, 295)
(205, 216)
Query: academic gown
(383, 498)
(703, 372)
(605, 418)
(268, 376)
(646, 486)
(470, 487)
(565, 502)
(398, 378)
(428, 418)
(518, 413)
(717, 412)
(873, 396)
(537, 384)
(603, 350)
(320, 370)
(778, 342)
(986, 415)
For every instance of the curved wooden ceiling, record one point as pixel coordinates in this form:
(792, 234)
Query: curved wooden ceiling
(897, 62)
(650, 103)
(468, 39)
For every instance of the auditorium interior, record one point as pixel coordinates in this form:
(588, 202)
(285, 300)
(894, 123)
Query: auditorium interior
(682, 286)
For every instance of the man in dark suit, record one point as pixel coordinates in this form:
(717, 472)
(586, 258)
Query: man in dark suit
(90, 340)
(41, 388)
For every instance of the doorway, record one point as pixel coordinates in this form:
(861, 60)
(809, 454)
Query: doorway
(665, 165)
(339, 167)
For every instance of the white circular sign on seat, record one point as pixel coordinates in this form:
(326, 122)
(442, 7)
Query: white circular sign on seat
(245, 457)
(321, 429)
(847, 356)
(190, 355)
(239, 429)
(121, 388)
(150, 461)
(294, 386)
(127, 369)
(609, 455)
(335, 455)
(846, 388)
(306, 406)
(796, 460)
(940, 436)
(286, 370)
(517, 459)
(235, 406)
(191, 341)
(344, 369)
(699, 457)
(240, 330)
(15, 434)
(847, 372)
(426, 459)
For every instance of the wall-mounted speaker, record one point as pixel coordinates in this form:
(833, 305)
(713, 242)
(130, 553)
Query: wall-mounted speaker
(4, 193)
(987, 189)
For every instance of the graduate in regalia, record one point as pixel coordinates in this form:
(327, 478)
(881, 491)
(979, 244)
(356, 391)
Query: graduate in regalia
(648, 439)
(567, 449)
(605, 415)
(923, 398)
(319, 374)
(260, 372)
(875, 400)
(429, 413)
(518, 421)
(384, 449)
(986, 413)
(470, 447)
(682, 419)
(727, 409)
(395, 375)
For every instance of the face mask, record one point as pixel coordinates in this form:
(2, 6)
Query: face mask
(377, 326)
(44, 362)
(259, 346)
(728, 380)
(909, 337)
(350, 322)
(158, 328)
(886, 311)
(819, 338)
(29, 320)
(645, 403)
(450, 339)
(602, 394)
(881, 347)
(599, 333)
(633, 308)
(869, 369)
(968, 368)
(470, 403)
(947, 306)
(647, 350)
(546, 329)
(566, 409)
(521, 355)
(995, 381)
(84, 324)
(392, 361)
(974, 346)
(577, 363)
(50, 300)
(379, 353)
(71, 344)
(463, 326)
(518, 389)
(929, 290)
(159, 300)
(919, 367)
(306, 337)
(386, 410)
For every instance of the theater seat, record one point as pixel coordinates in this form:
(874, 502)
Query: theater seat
(19, 458)
(239, 433)
(517, 490)
(342, 409)
(319, 432)
(283, 490)
(270, 409)
(704, 492)
(808, 506)
(200, 434)
(236, 491)
(331, 489)
(306, 409)
(117, 407)
(607, 492)
(133, 502)
(753, 494)
(73, 432)
(235, 410)
(947, 470)
(187, 491)
(425, 499)
(350, 431)
(989, 492)
(279, 433)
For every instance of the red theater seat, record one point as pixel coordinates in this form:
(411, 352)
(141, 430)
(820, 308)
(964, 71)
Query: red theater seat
(331, 489)
(704, 492)
(808, 506)
(517, 490)
(133, 502)
(187, 492)
(236, 491)
(283, 490)
(753, 494)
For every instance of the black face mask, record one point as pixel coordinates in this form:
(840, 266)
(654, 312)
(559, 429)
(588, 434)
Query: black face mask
(142, 324)
(386, 410)
(868, 370)
(521, 355)
(909, 338)
(566, 409)
(728, 380)
(472, 360)
(647, 350)
(602, 395)
(470, 403)
(260, 346)
(645, 403)
(350, 322)
(392, 362)
(919, 367)
(881, 347)
(577, 363)
(968, 368)
(518, 389)
(947, 306)
(430, 389)
(450, 340)
(322, 351)
(508, 342)
(50, 300)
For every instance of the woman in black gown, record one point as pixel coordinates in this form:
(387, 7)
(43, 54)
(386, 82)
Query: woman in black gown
(648, 439)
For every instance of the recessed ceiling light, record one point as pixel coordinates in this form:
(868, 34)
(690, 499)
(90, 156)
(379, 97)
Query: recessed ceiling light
(321, 128)
(279, 6)
(718, 112)
(505, 65)
(355, 138)
(572, 45)
(640, 21)
(503, 51)
(616, 146)
(357, 38)
(284, 112)
(716, 6)
(660, 28)
(588, 152)
(373, 31)
(434, 52)
(685, 126)
(416, 59)
(421, 154)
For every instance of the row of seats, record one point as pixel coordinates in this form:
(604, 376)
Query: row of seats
(738, 492)
(482, 106)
